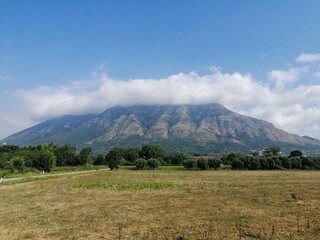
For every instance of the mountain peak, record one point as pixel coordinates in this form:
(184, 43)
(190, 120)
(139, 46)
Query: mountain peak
(191, 128)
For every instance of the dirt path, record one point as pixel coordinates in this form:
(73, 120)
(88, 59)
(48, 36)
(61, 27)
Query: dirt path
(53, 175)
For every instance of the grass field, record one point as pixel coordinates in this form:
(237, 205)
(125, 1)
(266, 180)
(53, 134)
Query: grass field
(164, 204)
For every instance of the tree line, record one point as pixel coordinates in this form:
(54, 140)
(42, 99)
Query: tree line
(46, 157)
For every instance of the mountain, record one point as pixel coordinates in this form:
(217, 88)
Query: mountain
(202, 129)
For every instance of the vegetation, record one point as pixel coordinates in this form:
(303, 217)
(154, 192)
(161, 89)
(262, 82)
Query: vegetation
(164, 204)
(14, 159)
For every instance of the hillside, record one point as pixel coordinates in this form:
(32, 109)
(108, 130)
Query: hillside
(194, 129)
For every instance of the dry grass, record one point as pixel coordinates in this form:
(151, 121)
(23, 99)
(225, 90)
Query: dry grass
(161, 204)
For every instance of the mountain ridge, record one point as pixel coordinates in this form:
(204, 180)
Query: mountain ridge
(204, 128)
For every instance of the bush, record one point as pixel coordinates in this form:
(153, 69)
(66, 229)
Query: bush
(17, 163)
(114, 157)
(251, 163)
(237, 164)
(141, 164)
(46, 159)
(153, 163)
(214, 163)
(202, 163)
(99, 160)
(189, 163)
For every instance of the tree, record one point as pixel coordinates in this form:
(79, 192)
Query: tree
(46, 159)
(285, 162)
(153, 163)
(153, 151)
(178, 158)
(141, 163)
(237, 164)
(17, 163)
(131, 154)
(114, 157)
(295, 162)
(99, 160)
(3, 163)
(189, 163)
(202, 163)
(272, 151)
(295, 153)
(85, 156)
(307, 163)
(66, 155)
(214, 163)
(251, 162)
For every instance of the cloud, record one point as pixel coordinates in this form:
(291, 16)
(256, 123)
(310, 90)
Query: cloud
(292, 107)
(282, 77)
(4, 76)
(316, 74)
(232, 90)
(308, 57)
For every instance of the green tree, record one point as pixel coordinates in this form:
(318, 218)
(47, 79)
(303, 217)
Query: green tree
(202, 163)
(3, 163)
(85, 156)
(178, 158)
(189, 163)
(214, 163)
(131, 154)
(46, 159)
(307, 163)
(251, 162)
(153, 163)
(17, 163)
(66, 155)
(237, 164)
(272, 151)
(295, 153)
(153, 151)
(141, 163)
(114, 157)
(99, 160)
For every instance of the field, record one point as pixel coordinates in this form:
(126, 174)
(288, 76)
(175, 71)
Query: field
(164, 204)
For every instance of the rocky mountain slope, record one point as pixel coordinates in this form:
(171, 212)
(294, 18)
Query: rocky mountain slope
(191, 128)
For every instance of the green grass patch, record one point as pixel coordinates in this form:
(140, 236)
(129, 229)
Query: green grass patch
(124, 186)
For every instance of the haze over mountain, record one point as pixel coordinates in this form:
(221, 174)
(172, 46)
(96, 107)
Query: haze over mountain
(191, 128)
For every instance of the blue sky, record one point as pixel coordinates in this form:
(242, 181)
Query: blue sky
(61, 57)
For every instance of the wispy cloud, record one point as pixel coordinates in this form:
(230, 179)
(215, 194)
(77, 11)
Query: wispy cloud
(282, 77)
(4, 76)
(316, 74)
(308, 57)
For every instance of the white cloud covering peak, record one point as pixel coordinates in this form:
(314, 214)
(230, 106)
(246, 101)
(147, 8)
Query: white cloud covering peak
(292, 107)
(233, 90)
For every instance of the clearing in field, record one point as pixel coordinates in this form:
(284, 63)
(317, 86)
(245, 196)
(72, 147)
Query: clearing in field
(164, 204)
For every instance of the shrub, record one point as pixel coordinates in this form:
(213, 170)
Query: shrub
(214, 163)
(114, 157)
(46, 159)
(141, 163)
(251, 163)
(99, 160)
(153, 163)
(237, 164)
(189, 163)
(202, 163)
(17, 163)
